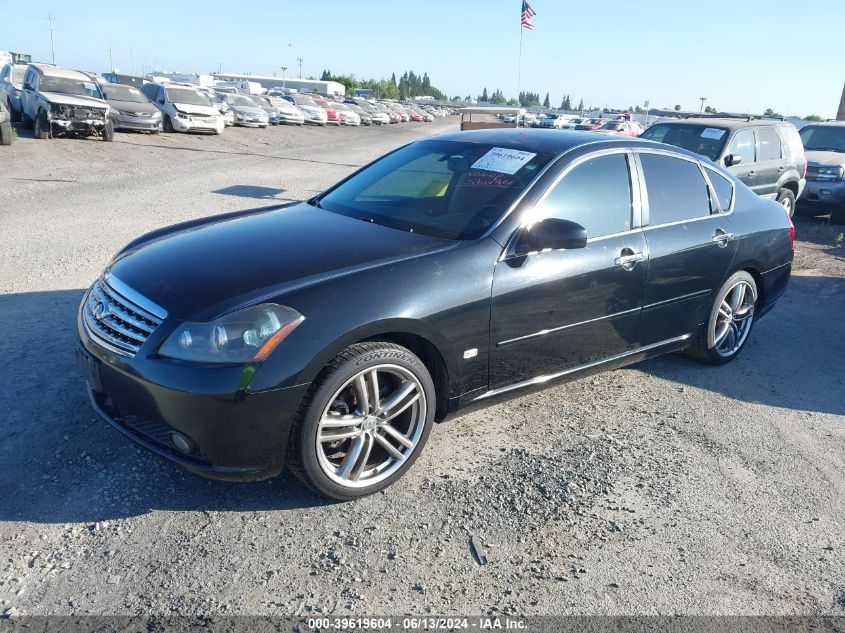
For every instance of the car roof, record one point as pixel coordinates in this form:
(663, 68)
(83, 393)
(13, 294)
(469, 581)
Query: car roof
(549, 141)
(825, 124)
(48, 70)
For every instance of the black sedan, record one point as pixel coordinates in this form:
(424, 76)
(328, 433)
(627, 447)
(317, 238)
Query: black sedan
(331, 334)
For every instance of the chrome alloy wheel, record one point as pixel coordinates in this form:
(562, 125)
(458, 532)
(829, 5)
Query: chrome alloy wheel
(787, 204)
(372, 424)
(733, 322)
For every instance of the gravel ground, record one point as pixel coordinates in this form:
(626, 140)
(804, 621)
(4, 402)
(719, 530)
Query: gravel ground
(664, 488)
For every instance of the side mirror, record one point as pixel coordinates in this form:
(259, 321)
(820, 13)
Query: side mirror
(732, 159)
(555, 234)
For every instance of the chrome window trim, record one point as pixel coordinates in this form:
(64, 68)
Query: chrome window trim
(706, 169)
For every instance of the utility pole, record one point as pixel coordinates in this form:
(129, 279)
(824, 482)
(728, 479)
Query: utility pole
(111, 62)
(52, 43)
(299, 59)
(703, 99)
(131, 63)
(840, 115)
(284, 68)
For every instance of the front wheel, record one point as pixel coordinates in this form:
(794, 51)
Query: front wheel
(787, 200)
(108, 132)
(5, 133)
(364, 423)
(42, 126)
(731, 318)
(167, 124)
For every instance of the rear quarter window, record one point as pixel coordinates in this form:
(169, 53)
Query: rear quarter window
(723, 189)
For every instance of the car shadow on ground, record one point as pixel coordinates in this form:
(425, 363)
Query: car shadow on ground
(59, 463)
(252, 191)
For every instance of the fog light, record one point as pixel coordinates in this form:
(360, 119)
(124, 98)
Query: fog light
(182, 443)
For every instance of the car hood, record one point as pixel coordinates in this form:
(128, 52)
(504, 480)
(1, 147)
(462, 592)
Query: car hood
(74, 100)
(196, 109)
(816, 157)
(132, 106)
(248, 109)
(205, 270)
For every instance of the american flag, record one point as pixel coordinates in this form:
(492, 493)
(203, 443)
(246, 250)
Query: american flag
(527, 14)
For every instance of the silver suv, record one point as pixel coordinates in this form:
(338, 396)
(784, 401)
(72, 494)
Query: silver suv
(824, 145)
(59, 101)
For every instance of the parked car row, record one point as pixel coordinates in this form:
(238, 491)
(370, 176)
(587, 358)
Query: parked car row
(55, 101)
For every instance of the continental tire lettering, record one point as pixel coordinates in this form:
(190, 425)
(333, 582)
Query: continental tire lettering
(386, 355)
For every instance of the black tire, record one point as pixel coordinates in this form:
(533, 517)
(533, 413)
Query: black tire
(167, 124)
(42, 126)
(703, 347)
(5, 133)
(837, 214)
(787, 200)
(108, 132)
(302, 450)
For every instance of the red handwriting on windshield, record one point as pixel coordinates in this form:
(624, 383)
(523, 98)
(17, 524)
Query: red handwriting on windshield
(487, 179)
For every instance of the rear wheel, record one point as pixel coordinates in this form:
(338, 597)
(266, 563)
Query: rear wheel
(787, 200)
(364, 423)
(729, 323)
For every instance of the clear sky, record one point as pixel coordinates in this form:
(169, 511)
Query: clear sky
(744, 55)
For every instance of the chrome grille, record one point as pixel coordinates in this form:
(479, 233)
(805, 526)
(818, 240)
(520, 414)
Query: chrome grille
(115, 322)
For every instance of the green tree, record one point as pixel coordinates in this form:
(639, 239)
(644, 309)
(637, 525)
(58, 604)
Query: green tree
(581, 105)
(677, 108)
(546, 102)
(484, 96)
(813, 117)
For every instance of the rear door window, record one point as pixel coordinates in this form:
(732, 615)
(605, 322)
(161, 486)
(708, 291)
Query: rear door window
(676, 189)
(770, 147)
(743, 145)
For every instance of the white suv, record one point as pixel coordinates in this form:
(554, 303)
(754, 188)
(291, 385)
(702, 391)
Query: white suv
(59, 101)
(184, 108)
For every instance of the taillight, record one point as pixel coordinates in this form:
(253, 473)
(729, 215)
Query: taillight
(791, 231)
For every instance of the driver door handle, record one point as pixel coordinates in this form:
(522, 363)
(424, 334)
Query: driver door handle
(722, 237)
(628, 259)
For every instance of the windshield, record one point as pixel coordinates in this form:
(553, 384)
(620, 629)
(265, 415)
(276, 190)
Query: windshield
(70, 87)
(188, 97)
(240, 100)
(124, 93)
(707, 141)
(824, 138)
(444, 189)
(303, 100)
(612, 126)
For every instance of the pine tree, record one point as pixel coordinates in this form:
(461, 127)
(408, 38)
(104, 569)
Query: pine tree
(484, 96)
(546, 102)
(581, 105)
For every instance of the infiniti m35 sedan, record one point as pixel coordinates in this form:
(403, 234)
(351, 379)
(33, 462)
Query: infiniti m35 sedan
(329, 335)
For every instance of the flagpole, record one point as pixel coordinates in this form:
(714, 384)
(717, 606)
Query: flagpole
(519, 62)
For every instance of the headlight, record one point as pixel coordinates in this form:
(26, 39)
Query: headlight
(181, 115)
(246, 336)
(830, 173)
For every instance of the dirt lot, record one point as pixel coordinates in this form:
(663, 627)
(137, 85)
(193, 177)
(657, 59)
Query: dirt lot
(667, 487)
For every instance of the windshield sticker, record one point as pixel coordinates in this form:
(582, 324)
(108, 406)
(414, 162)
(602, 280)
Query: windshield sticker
(502, 160)
(89, 86)
(713, 132)
(483, 179)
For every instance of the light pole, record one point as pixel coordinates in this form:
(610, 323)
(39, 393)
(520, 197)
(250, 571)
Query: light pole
(703, 99)
(299, 59)
(284, 68)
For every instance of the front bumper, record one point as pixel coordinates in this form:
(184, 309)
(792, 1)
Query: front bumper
(234, 434)
(143, 124)
(823, 194)
(292, 119)
(198, 124)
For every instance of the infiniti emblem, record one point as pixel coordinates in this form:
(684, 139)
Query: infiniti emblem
(101, 311)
